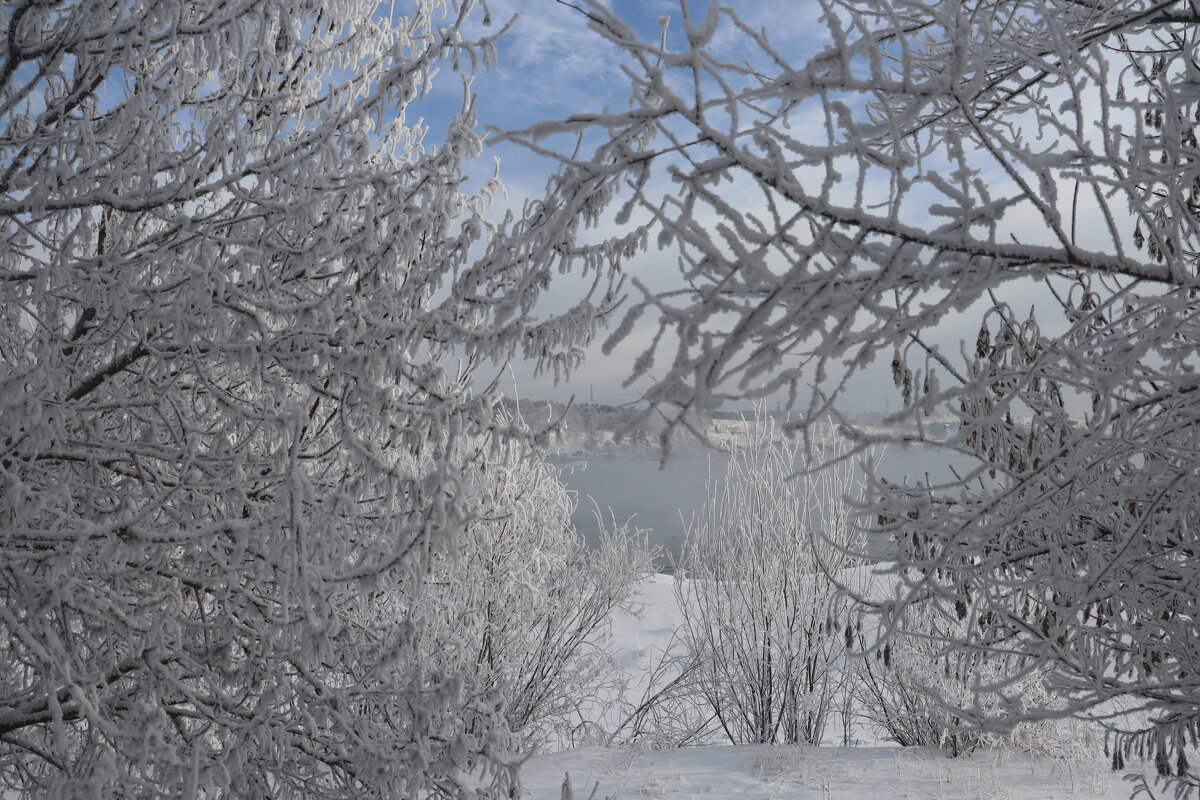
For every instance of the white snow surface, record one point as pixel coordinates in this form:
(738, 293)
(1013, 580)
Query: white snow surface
(799, 773)
(648, 625)
(871, 772)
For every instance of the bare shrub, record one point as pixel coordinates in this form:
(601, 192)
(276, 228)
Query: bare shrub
(762, 613)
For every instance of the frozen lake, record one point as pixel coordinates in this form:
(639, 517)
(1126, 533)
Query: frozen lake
(630, 486)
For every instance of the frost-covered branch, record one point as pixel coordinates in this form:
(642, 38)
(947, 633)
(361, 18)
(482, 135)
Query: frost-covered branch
(243, 296)
(928, 164)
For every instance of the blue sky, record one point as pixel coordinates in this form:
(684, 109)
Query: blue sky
(551, 65)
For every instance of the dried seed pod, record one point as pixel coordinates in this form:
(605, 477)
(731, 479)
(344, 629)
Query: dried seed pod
(983, 343)
(1162, 764)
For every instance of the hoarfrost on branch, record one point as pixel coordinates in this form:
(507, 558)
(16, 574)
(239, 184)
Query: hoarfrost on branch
(243, 297)
(928, 162)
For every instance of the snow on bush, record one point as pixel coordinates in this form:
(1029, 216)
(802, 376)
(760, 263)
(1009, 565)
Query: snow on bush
(527, 604)
(911, 685)
(244, 293)
(763, 618)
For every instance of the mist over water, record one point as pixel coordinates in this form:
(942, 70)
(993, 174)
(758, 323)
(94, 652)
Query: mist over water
(628, 486)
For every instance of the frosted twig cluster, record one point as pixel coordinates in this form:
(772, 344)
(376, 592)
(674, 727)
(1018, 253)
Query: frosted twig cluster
(243, 295)
(928, 162)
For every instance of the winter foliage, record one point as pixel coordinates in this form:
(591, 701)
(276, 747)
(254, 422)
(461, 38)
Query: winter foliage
(763, 617)
(262, 533)
(525, 605)
(242, 298)
(912, 687)
(932, 162)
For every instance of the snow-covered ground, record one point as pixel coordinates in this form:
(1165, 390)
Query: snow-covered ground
(871, 772)
(792, 773)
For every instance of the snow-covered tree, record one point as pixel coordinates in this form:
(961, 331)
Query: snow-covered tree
(524, 603)
(242, 295)
(763, 615)
(911, 687)
(923, 163)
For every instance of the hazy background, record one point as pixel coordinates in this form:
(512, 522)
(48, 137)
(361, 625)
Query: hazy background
(629, 487)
